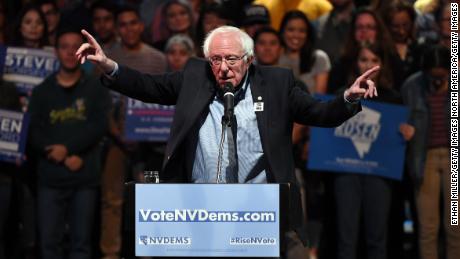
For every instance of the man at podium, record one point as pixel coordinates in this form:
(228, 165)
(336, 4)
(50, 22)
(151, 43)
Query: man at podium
(233, 119)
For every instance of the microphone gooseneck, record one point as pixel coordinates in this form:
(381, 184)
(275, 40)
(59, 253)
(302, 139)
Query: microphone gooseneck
(229, 104)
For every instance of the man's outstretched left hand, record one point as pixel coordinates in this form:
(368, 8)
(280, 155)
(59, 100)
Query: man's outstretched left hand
(362, 87)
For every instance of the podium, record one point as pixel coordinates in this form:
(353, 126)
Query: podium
(208, 220)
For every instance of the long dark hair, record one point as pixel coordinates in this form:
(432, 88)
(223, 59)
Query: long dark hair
(307, 59)
(385, 77)
(382, 35)
(186, 5)
(18, 39)
(397, 7)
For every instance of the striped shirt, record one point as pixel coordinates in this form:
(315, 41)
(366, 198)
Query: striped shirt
(248, 143)
(439, 136)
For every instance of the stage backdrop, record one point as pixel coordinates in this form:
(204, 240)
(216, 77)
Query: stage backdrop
(368, 143)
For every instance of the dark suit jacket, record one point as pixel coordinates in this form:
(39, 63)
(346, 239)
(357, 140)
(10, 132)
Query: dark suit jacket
(193, 89)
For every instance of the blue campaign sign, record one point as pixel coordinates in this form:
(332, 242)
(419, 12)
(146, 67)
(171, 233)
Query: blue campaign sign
(13, 134)
(368, 143)
(28, 67)
(147, 121)
(204, 220)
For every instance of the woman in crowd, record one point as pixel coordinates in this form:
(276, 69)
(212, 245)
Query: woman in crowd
(400, 19)
(30, 29)
(310, 65)
(360, 195)
(366, 26)
(178, 19)
(211, 17)
(179, 49)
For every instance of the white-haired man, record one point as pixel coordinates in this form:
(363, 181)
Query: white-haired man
(267, 103)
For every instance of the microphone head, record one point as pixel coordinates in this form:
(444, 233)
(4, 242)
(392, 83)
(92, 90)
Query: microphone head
(228, 87)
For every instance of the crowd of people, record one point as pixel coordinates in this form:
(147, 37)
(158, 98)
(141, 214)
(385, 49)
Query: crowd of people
(67, 195)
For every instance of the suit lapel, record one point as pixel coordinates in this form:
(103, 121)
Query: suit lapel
(190, 113)
(260, 97)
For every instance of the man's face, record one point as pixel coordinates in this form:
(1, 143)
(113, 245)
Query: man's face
(130, 29)
(226, 46)
(52, 16)
(103, 24)
(67, 45)
(267, 49)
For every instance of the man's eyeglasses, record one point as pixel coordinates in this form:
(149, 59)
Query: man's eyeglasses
(231, 60)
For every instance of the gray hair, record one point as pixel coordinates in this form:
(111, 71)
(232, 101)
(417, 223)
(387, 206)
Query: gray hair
(183, 40)
(247, 44)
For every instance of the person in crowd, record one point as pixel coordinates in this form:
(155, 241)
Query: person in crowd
(426, 94)
(178, 15)
(122, 154)
(366, 26)
(311, 8)
(68, 119)
(333, 27)
(427, 22)
(191, 152)
(400, 18)
(103, 18)
(267, 46)
(255, 17)
(179, 49)
(362, 196)
(443, 20)
(53, 16)
(78, 14)
(310, 65)
(212, 16)
(30, 29)
(9, 101)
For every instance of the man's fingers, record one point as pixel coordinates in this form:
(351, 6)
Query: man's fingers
(83, 48)
(370, 88)
(93, 58)
(91, 39)
(368, 73)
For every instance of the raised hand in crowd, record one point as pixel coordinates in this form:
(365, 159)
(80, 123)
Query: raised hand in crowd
(73, 163)
(56, 152)
(93, 52)
(363, 87)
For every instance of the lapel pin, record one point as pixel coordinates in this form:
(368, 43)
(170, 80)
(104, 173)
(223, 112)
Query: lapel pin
(259, 98)
(258, 106)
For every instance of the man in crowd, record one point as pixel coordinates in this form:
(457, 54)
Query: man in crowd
(103, 17)
(267, 46)
(68, 120)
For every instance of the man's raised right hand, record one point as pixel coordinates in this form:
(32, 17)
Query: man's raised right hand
(93, 52)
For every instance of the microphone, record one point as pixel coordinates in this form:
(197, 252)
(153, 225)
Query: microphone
(228, 104)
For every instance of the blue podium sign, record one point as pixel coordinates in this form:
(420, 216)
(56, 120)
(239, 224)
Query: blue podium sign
(367, 143)
(207, 220)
